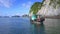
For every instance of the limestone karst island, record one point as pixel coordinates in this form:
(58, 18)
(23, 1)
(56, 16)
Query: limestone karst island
(48, 8)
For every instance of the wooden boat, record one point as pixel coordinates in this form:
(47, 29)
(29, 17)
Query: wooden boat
(38, 19)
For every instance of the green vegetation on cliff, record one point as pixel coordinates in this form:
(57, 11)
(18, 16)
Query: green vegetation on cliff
(36, 6)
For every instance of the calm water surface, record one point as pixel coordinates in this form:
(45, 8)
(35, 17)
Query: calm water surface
(23, 26)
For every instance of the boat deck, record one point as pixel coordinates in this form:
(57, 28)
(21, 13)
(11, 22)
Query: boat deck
(36, 22)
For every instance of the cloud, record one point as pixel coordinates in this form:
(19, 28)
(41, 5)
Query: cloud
(6, 3)
(17, 14)
(27, 5)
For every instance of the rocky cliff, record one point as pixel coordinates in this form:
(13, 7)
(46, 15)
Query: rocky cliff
(50, 8)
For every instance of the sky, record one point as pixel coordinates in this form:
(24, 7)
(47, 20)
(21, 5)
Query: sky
(15, 7)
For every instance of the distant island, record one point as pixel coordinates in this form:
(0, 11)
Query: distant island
(4, 16)
(15, 16)
(25, 15)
